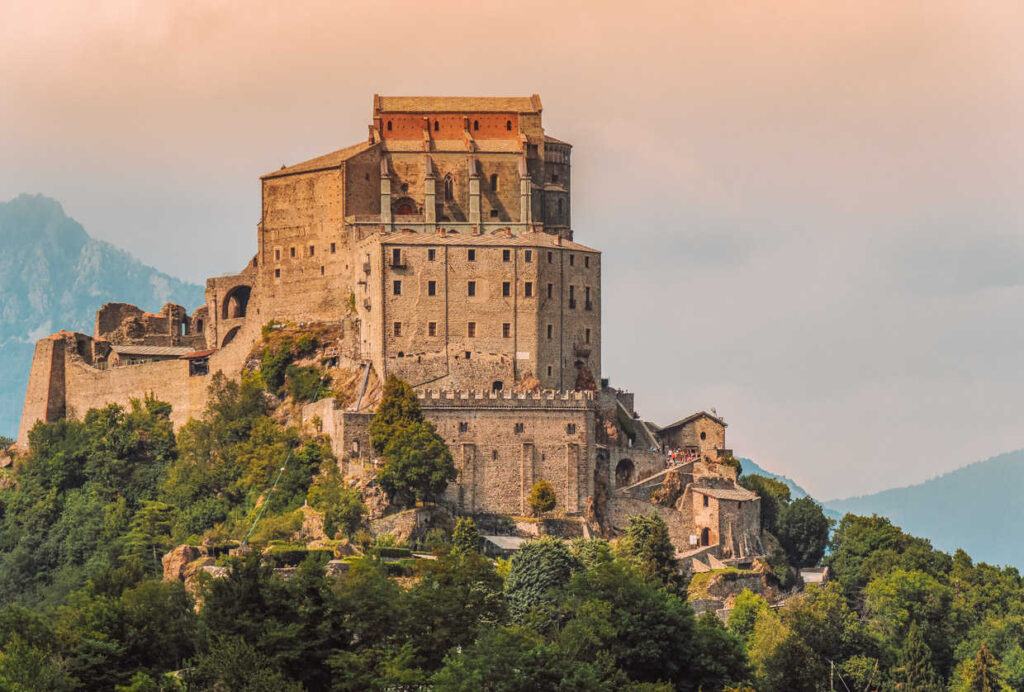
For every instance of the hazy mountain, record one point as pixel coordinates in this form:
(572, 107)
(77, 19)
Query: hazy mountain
(751, 468)
(54, 276)
(977, 508)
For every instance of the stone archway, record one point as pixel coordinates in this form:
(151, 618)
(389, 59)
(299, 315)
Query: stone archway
(236, 302)
(230, 336)
(625, 472)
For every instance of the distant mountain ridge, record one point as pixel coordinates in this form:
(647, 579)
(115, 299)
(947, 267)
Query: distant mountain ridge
(750, 468)
(54, 276)
(977, 508)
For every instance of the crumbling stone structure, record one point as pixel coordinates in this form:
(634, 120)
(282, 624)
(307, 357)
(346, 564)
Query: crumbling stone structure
(442, 249)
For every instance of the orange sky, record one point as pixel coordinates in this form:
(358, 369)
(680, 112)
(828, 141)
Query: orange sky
(827, 193)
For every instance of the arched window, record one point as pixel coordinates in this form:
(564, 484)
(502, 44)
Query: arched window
(560, 210)
(508, 125)
(497, 386)
(494, 182)
(476, 124)
(449, 188)
(437, 126)
(389, 126)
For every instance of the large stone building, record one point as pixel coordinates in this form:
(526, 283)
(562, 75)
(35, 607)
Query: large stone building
(441, 250)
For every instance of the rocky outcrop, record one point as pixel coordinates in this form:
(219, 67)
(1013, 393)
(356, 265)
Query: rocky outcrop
(176, 561)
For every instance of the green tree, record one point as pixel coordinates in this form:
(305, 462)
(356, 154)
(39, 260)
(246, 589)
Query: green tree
(465, 539)
(980, 674)
(803, 532)
(774, 497)
(417, 464)
(25, 668)
(913, 669)
(535, 571)
(591, 552)
(542, 497)
(897, 599)
(398, 408)
(342, 506)
(747, 607)
(150, 535)
(782, 660)
(647, 541)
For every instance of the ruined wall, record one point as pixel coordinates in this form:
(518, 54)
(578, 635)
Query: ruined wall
(44, 397)
(122, 323)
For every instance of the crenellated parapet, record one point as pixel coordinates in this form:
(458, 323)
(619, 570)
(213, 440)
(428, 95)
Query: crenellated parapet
(549, 399)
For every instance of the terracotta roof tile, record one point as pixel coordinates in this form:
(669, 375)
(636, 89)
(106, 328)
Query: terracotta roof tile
(335, 158)
(457, 104)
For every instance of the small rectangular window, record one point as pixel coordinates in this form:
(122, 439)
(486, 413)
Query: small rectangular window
(463, 427)
(321, 270)
(312, 250)
(333, 248)
(528, 256)
(494, 182)
(506, 289)
(494, 213)
(471, 288)
(705, 500)
(520, 428)
(551, 257)
(471, 255)
(468, 354)
(549, 371)
(398, 329)
(431, 255)
(398, 288)
(551, 290)
(292, 251)
(471, 329)
(506, 330)
(572, 260)
(431, 288)
(277, 273)
(528, 289)
(431, 328)
(506, 255)
(277, 254)
(396, 257)
(588, 336)
(570, 429)
(586, 260)
(551, 331)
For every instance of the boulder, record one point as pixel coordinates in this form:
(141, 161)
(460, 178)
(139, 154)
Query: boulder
(177, 559)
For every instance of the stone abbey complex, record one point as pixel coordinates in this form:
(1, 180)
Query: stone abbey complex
(439, 249)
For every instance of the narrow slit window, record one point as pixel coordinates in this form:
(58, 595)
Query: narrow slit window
(398, 288)
(431, 288)
(471, 288)
(528, 289)
(506, 255)
(471, 255)
(506, 289)
(398, 328)
(471, 330)
(494, 182)
(506, 330)
(431, 328)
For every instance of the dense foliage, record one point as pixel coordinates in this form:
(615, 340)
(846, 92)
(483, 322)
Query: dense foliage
(87, 513)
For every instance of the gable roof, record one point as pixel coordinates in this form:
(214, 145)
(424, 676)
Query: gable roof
(332, 160)
(693, 417)
(736, 494)
(456, 104)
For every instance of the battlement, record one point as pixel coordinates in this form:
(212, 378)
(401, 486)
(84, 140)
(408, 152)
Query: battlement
(549, 399)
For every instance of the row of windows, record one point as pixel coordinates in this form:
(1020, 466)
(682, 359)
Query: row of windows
(472, 332)
(506, 256)
(518, 429)
(506, 291)
(311, 251)
(277, 272)
(476, 125)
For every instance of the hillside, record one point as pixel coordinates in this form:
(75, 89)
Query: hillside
(750, 468)
(976, 508)
(54, 276)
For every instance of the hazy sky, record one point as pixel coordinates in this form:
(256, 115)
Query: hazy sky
(811, 212)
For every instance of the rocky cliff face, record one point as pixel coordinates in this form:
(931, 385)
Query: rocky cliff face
(54, 276)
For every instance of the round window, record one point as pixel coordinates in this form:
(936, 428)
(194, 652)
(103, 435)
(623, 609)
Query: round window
(703, 436)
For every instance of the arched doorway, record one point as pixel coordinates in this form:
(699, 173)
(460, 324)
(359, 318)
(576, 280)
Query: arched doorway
(705, 536)
(624, 473)
(230, 336)
(404, 206)
(236, 302)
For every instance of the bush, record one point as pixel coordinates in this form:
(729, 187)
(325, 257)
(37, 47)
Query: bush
(542, 497)
(307, 383)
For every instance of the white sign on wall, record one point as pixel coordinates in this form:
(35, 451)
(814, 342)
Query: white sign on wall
(522, 355)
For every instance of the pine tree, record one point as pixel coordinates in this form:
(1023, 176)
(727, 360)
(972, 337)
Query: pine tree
(465, 538)
(398, 408)
(913, 669)
(981, 674)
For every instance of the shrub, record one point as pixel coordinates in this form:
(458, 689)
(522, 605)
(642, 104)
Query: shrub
(542, 497)
(306, 383)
